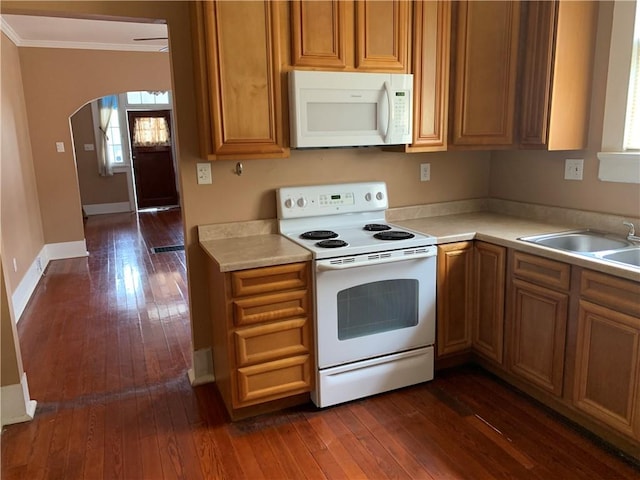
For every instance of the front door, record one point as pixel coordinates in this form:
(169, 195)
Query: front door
(151, 140)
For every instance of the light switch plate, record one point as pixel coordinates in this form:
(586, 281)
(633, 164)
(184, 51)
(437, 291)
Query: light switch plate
(60, 147)
(573, 169)
(425, 172)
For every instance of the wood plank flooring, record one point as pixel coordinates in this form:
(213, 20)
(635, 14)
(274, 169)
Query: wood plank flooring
(106, 347)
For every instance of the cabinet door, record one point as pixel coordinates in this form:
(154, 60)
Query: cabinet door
(319, 34)
(382, 35)
(607, 383)
(556, 73)
(454, 297)
(489, 285)
(536, 334)
(243, 79)
(431, 33)
(485, 58)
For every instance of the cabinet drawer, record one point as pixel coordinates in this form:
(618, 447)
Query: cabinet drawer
(267, 308)
(269, 279)
(268, 342)
(621, 295)
(273, 380)
(541, 270)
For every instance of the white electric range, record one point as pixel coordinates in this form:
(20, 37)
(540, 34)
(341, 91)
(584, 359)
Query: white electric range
(374, 287)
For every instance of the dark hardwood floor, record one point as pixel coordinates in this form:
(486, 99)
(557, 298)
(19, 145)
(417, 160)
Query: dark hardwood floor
(106, 347)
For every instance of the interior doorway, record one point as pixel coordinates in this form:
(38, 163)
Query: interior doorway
(152, 157)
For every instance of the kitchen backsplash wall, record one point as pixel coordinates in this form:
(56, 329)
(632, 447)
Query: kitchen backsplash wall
(538, 176)
(454, 176)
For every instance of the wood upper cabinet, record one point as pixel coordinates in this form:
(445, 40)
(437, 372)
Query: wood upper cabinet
(537, 320)
(557, 53)
(431, 50)
(489, 286)
(485, 67)
(345, 35)
(318, 34)
(607, 372)
(238, 79)
(454, 298)
(262, 325)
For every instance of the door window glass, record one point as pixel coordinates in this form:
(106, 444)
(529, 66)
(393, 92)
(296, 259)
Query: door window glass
(151, 132)
(377, 307)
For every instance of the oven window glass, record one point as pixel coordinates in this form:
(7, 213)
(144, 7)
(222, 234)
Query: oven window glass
(377, 307)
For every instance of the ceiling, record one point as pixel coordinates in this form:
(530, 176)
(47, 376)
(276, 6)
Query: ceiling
(55, 32)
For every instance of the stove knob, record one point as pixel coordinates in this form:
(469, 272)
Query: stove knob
(367, 197)
(288, 203)
(302, 202)
(379, 195)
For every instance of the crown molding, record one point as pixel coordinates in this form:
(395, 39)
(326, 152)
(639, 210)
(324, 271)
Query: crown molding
(9, 32)
(20, 42)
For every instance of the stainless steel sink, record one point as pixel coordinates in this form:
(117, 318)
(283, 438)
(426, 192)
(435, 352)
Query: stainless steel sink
(630, 256)
(580, 241)
(593, 244)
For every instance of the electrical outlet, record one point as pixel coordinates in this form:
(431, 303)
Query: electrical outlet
(425, 172)
(573, 169)
(89, 147)
(60, 147)
(38, 264)
(204, 173)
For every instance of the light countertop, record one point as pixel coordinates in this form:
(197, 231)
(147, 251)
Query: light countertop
(261, 250)
(239, 253)
(505, 230)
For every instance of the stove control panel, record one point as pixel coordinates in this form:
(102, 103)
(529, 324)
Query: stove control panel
(319, 200)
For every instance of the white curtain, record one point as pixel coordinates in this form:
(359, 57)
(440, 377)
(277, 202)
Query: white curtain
(151, 131)
(106, 106)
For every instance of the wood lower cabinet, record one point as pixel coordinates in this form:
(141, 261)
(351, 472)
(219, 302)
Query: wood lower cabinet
(488, 310)
(536, 324)
(454, 298)
(607, 371)
(237, 46)
(485, 68)
(262, 324)
(346, 35)
(470, 299)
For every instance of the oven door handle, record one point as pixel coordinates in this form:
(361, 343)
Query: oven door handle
(324, 267)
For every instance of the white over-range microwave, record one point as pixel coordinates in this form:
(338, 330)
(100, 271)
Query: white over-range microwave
(343, 109)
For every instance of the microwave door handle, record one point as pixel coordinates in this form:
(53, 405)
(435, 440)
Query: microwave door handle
(390, 116)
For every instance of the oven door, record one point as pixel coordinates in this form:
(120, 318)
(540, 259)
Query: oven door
(373, 305)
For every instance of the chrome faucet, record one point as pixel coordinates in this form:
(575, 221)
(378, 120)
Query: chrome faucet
(632, 232)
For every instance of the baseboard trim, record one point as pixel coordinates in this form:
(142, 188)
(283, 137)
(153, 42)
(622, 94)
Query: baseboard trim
(17, 407)
(28, 284)
(105, 208)
(58, 251)
(202, 371)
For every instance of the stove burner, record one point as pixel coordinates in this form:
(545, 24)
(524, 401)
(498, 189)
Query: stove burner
(394, 235)
(318, 235)
(332, 244)
(376, 227)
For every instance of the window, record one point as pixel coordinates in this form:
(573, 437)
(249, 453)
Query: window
(148, 98)
(114, 138)
(118, 148)
(632, 124)
(620, 155)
